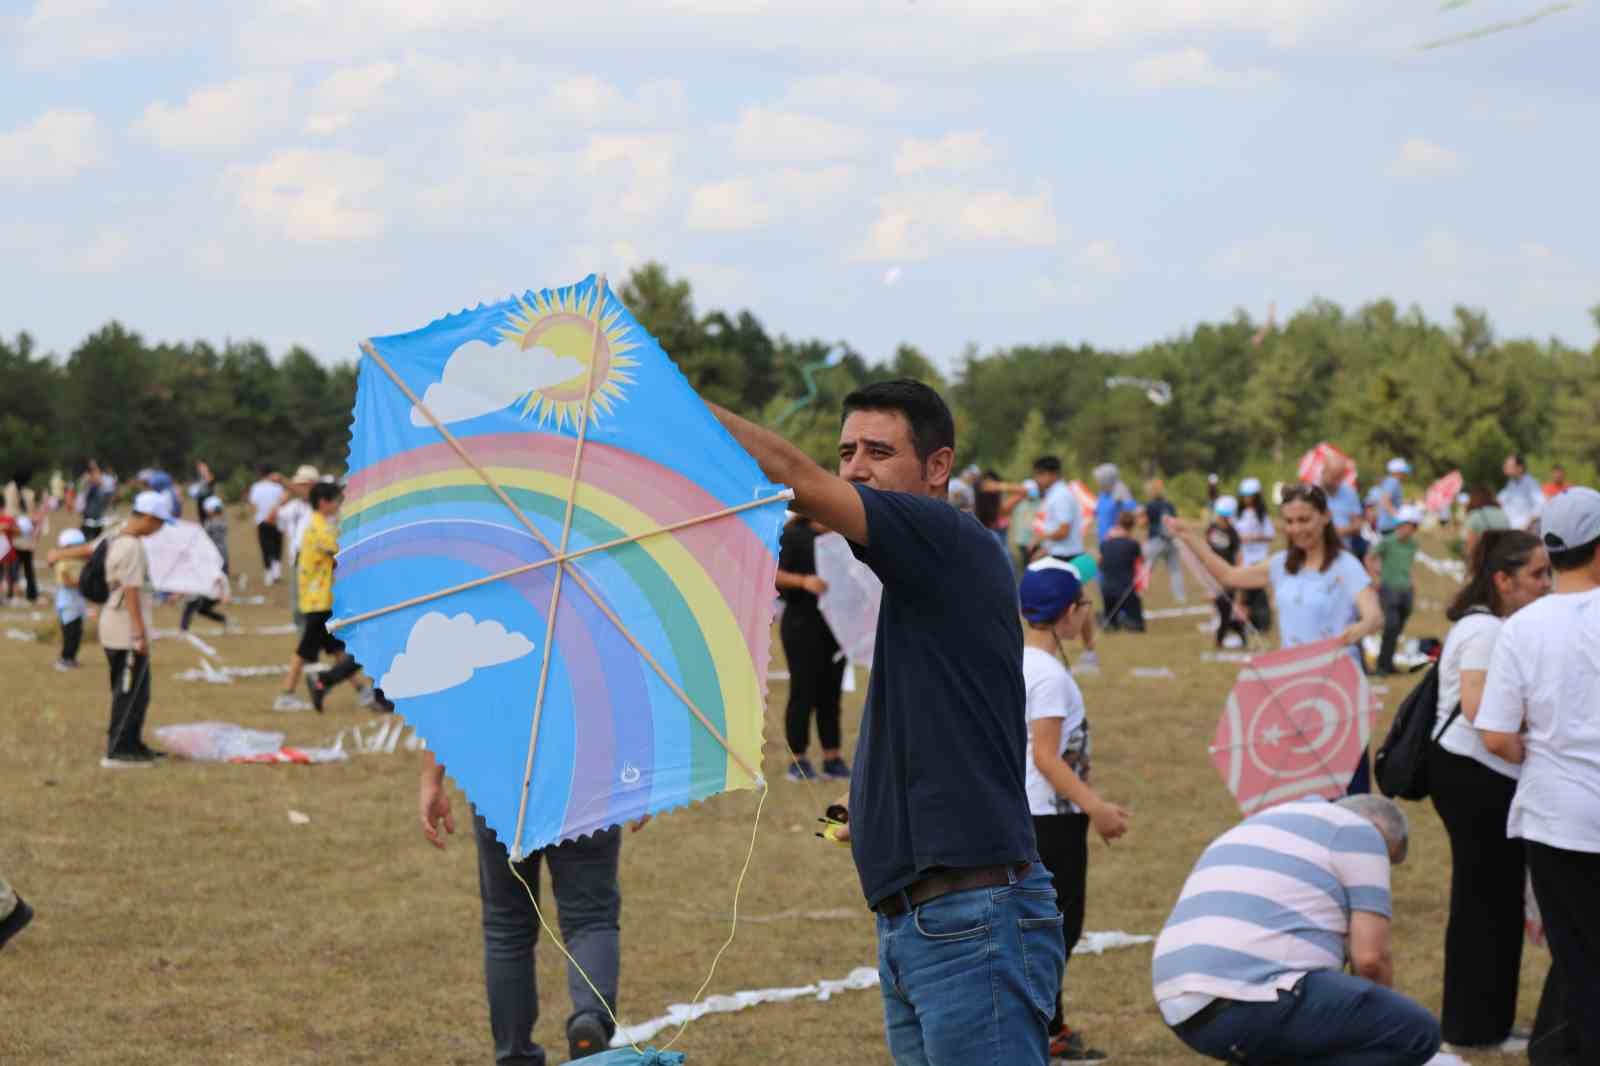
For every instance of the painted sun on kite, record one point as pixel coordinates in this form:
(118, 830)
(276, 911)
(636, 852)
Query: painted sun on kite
(563, 324)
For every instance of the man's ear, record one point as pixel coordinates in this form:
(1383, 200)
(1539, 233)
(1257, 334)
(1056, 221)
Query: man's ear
(939, 465)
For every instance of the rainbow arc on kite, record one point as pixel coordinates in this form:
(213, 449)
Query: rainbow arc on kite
(558, 564)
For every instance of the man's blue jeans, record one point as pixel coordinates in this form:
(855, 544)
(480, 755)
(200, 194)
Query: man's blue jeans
(970, 979)
(1328, 1019)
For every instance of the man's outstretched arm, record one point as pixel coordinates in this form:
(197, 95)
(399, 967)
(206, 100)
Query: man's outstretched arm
(818, 494)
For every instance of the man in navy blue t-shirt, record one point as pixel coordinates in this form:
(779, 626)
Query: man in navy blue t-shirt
(939, 822)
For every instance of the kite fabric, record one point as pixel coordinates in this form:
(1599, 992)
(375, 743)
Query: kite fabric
(1295, 725)
(545, 450)
(1312, 462)
(183, 559)
(1441, 495)
(850, 603)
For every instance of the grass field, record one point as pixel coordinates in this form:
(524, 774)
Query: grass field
(183, 920)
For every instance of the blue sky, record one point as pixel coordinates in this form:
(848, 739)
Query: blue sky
(939, 172)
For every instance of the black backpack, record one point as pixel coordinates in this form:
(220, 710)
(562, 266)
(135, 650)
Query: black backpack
(1401, 765)
(92, 584)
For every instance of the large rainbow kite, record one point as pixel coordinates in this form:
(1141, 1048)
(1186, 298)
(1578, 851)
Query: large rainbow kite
(558, 565)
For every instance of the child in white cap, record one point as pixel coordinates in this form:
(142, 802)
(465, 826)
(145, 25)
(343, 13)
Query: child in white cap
(216, 527)
(70, 606)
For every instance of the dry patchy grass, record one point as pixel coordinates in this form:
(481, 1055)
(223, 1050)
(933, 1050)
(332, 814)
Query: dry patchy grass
(183, 920)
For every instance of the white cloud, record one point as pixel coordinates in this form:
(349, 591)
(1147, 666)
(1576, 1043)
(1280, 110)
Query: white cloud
(958, 150)
(1102, 257)
(812, 188)
(70, 31)
(647, 158)
(443, 652)
(346, 93)
(730, 206)
(858, 92)
(219, 116)
(774, 135)
(56, 145)
(1422, 158)
(915, 224)
(312, 195)
(480, 379)
(1190, 66)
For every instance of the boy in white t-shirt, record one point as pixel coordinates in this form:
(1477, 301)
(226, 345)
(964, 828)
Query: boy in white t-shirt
(1541, 711)
(1059, 797)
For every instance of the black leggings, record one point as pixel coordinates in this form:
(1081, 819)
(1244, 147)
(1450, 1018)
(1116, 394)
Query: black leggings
(1483, 940)
(1226, 623)
(71, 638)
(271, 540)
(1063, 841)
(814, 679)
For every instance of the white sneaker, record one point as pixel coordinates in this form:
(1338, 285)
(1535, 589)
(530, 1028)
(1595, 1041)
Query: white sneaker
(125, 762)
(1088, 665)
(287, 702)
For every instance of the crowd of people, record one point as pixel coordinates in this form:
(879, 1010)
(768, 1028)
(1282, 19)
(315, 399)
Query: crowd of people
(972, 788)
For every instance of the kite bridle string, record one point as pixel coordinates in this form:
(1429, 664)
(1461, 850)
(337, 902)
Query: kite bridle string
(561, 566)
(733, 930)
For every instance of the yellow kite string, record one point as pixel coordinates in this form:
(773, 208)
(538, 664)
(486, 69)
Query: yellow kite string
(738, 889)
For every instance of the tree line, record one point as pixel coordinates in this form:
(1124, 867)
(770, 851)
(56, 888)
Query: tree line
(1245, 397)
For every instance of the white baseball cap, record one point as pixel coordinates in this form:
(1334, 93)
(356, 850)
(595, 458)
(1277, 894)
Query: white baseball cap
(155, 504)
(1250, 486)
(1399, 466)
(305, 475)
(1226, 506)
(1571, 519)
(70, 538)
(1410, 514)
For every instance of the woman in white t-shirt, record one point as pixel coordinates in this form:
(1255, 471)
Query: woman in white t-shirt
(1472, 791)
(1322, 591)
(1059, 797)
(1256, 532)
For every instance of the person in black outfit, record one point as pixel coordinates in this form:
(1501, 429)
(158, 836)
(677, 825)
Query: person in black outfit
(1119, 565)
(816, 669)
(1224, 540)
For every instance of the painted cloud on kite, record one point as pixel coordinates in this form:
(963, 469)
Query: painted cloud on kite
(443, 652)
(480, 379)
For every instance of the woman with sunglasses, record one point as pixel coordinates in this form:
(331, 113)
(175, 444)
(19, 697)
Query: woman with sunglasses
(1322, 591)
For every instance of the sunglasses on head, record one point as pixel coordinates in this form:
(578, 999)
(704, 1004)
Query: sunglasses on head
(1312, 494)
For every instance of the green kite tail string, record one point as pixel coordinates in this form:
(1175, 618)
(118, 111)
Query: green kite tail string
(1498, 27)
(732, 932)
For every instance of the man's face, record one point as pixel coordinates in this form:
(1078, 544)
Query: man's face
(1332, 474)
(1558, 476)
(875, 450)
(1512, 468)
(1046, 478)
(142, 525)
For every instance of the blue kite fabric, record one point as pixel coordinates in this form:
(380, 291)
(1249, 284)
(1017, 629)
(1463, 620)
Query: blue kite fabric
(657, 660)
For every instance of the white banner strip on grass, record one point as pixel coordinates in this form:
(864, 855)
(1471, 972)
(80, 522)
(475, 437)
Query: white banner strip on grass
(862, 977)
(1180, 612)
(1454, 569)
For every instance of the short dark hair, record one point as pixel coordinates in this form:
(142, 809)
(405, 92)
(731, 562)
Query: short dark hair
(932, 426)
(324, 490)
(1048, 463)
(1574, 558)
(1517, 457)
(264, 469)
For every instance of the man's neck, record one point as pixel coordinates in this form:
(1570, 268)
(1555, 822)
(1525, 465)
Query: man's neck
(1575, 581)
(1042, 639)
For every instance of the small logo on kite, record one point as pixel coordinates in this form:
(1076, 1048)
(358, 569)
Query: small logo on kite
(630, 774)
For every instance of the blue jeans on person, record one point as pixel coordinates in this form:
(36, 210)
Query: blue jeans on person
(970, 978)
(1328, 1019)
(589, 901)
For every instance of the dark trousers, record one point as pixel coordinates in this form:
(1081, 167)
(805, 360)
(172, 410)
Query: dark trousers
(1130, 615)
(814, 680)
(583, 873)
(130, 699)
(1396, 613)
(71, 638)
(204, 606)
(1226, 623)
(1565, 883)
(1063, 841)
(270, 537)
(25, 569)
(1328, 1019)
(1483, 940)
(1258, 605)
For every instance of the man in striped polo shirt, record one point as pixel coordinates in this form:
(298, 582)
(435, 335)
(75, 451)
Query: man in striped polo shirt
(1250, 966)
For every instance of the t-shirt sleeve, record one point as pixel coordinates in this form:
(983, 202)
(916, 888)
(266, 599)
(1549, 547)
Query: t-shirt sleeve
(910, 538)
(124, 563)
(1502, 708)
(1477, 645)
(1061, 510)
(1354, 572)
(1055, 695)
(1361, 863)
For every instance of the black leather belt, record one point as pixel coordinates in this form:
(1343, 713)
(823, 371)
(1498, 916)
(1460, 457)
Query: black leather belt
(947, 881)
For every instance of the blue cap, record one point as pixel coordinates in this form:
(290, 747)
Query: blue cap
(1049, 587)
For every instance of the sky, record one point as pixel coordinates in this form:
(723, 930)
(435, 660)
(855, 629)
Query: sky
(940, 172)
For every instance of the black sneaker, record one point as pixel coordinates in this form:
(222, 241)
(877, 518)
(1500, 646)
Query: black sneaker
(836, 769)
(16, 921)
(1069, 1046)
(318, 691)
(127, 760)
(150, 753)
(586, 1035)
(802, 770)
